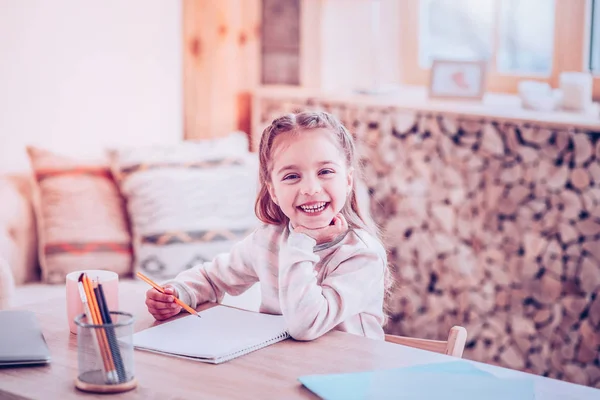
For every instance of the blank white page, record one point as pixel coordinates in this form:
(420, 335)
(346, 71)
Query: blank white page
(222, 333)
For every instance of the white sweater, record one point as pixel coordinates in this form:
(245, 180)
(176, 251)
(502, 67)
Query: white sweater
(337, 285)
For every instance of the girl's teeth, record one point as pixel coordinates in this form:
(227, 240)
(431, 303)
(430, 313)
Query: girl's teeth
(314, 208)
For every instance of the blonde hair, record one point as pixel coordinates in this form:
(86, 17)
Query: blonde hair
(269, 212)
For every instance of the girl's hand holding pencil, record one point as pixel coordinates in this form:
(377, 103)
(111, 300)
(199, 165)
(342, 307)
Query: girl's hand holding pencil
(162, 305)
(162, 302)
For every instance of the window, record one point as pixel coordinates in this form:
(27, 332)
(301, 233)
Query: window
(526, 37)
(455, 29)
(520, 39)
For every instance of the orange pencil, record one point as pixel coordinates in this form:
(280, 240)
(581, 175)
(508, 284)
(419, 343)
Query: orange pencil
(162, 290)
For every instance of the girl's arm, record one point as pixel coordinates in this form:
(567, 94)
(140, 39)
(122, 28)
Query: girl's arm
(231, 273)
(312, 310)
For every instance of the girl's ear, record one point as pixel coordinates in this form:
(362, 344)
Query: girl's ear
(272, 193)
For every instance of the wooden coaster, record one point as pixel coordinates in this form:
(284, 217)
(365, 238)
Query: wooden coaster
(96, 388)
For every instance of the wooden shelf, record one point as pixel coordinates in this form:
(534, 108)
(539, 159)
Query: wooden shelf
(503, 107)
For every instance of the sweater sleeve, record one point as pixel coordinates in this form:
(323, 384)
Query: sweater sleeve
(310, 309)
(231, 273)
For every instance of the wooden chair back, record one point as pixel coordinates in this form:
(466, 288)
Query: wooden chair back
(454, 346)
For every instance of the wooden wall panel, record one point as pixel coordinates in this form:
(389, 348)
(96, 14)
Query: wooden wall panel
(249, 40)
(220, 65)
(280, 47)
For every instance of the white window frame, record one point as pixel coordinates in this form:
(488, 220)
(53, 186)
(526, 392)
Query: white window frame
(572, 25)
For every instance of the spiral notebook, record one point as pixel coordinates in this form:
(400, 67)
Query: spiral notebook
(221, 334)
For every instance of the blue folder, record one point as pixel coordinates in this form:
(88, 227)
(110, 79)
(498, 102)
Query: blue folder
(450, 380)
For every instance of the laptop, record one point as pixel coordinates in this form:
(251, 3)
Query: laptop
(21, 339)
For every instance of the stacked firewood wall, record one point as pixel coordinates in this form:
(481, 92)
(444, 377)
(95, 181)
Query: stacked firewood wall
(490, 224)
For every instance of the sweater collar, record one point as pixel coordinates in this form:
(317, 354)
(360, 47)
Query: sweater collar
(326, 245)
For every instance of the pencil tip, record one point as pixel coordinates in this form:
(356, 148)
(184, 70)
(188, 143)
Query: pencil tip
(81, 277)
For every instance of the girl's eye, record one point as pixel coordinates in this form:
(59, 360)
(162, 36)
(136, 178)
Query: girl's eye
(326, 171)
(290, 176)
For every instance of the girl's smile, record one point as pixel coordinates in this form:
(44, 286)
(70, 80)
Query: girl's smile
(314, 208)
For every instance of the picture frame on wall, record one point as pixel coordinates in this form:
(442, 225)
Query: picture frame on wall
(457, 80)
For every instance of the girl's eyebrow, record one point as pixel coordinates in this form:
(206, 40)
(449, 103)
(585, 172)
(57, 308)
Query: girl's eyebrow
(327, 162)
(287, 167)
(292, 167)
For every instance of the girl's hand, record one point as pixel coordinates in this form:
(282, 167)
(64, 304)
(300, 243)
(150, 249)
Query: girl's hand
(328, 233)
(162, 306)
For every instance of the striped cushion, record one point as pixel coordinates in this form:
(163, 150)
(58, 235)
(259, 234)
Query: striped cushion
(187, 202)
(80, 216)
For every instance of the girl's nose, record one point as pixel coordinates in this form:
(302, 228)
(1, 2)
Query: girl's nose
(310, 186)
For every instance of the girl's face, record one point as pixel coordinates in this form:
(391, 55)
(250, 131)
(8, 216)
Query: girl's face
(310, 181)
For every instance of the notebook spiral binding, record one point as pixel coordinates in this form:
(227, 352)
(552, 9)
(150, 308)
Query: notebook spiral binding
(284, 335)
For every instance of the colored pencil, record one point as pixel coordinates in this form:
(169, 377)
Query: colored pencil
(110, 333)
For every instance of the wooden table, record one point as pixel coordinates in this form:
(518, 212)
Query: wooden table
(270, 373)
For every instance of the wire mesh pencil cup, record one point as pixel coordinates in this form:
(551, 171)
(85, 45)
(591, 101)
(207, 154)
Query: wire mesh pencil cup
(105, 354)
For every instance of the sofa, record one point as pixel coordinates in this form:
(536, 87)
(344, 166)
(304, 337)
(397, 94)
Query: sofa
(18, 259)
(35, 213)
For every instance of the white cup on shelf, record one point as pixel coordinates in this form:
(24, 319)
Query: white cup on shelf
(577, 91)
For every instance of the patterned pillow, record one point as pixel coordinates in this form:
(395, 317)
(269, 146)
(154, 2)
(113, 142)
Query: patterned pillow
(187, 202)
(80, 216)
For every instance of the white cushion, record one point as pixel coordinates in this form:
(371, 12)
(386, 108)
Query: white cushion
(187, 202)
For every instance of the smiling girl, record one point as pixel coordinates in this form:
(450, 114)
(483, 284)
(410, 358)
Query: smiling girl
(315, 259)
